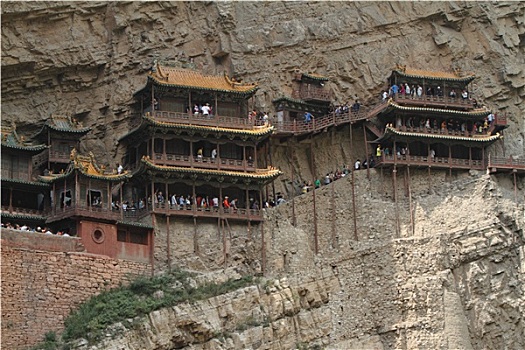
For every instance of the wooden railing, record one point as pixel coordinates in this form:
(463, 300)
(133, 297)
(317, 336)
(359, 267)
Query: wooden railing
(506, 163)
(312, 93)
(435, 162)
(40, 159)
(210, 212)
(436, 101)
(59, 157)
(204, 162)
(96, 213)
(23, 211)
(211, 120)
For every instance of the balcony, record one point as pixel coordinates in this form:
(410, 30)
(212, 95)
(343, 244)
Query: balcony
(434, 101)
(425, 161)
(96, 213)
(200, 212)
(310, 92)
(211, 120)
(204, 162)
(24, 212)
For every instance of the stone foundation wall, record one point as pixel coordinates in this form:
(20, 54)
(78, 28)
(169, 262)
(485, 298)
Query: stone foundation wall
(40, 288)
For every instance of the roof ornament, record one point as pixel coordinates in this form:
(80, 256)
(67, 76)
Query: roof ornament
(73, 154)
(154, 67)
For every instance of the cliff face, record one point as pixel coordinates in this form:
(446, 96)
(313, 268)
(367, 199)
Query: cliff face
(87, 58)
(452, 278)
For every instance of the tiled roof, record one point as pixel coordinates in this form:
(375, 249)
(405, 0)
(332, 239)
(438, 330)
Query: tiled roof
(256, 131)
(87, 167)
(261, 174)
(66, 124)
(32, 183)
(11, 139)
(480, 138)
(21, 216)
(435, 75)
(315, 76)
(478, 112)
(178, 77)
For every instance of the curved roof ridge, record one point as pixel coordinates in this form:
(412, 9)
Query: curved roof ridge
(483, 111)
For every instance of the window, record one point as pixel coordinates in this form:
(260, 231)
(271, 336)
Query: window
(98, 236)
(65, 200)
(94, 198)
(136, 237)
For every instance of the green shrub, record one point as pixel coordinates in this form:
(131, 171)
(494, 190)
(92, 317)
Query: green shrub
(122, 303)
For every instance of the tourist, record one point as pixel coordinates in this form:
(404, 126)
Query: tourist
(357, 164)
(307, 117)
(214, 153)
(206, 110)
(378, 151)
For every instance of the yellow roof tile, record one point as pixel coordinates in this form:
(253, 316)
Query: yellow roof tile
(189, 78)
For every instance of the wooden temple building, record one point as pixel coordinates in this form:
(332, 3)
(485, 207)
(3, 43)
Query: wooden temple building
(193, 146)
(24, 198)
(61, 134)
(439, 128)
(83, 201)
(310, 94)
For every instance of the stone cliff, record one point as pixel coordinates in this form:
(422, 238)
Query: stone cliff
(451, 277)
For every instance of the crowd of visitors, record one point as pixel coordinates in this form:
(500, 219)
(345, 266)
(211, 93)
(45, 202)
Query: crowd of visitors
(417, 91)
(45, 230)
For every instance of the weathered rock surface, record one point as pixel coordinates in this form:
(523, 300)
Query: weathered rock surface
(453, 278)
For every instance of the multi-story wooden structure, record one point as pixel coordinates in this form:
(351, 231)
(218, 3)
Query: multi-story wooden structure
(442, 127)
(181, 147)
(85, 201)
(309, 95)
(62, 134)
(24, 198)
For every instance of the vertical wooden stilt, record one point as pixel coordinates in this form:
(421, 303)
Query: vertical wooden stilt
(334, 218)
(263, 242)
(429, 182)
(294, 221)
(316, 240)
(225, 254)
(515, 187)
(395, 201)
(412, 223)
(366, 151)
(356, 237)
(195, 240)
(168, 249)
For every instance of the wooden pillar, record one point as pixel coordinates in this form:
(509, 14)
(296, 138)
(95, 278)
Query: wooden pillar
(54, 199)
(190, 104)
(470, 157)
(152, 196)
(194, 199)
(263, 242)
(164, 151)
(483, 155)
(312, 162)
(294, 222)
(195, 239)
(121, 208)
(514, 171)
(50, 150)
(108, 187)
(255, 160)
(90, 200)
(77, 190)
(168, 246)
(353, 180)
(334, 217)
(11, 199)
(215, 111)
(271, 164)
(191, 153)
(366, 151)
(450, 162)
(152, 98)
(410, 202)
(244, 156)
(218, 156)
(65, 190)
(395, 200)
(152, 147)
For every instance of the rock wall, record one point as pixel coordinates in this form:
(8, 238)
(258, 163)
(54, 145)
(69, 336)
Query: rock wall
(86, 59)
(41, 287)
(450, 277)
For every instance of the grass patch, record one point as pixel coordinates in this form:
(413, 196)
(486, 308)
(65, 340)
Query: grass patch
(140, 297)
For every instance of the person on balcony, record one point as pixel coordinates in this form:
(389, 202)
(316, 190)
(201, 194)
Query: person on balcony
(199, 154)
(196, 110)
(356, 106)
(214, 153)
(307, 117)
(357, 164)
(226, 204)
(419, 91)
(432, 154)
(452, 93)
(439, 91)
(206, 109)
(407, 89)
(378, 151)
(464, 95)
(120, 168)
(385, 95)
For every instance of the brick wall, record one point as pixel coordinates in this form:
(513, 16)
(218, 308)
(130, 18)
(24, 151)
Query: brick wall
(41, 287)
